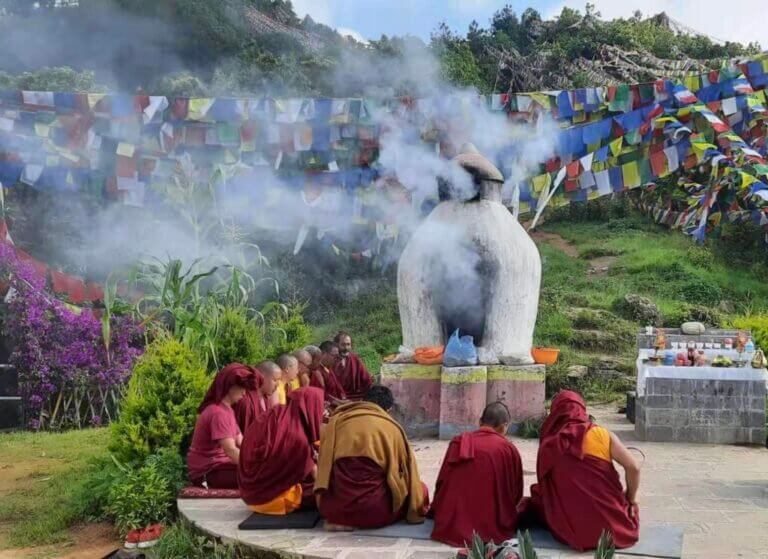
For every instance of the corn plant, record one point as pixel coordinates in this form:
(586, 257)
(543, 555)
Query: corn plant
(525, 542)
(605, 547)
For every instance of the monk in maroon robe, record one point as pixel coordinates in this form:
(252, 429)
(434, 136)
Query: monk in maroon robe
(350, 370)
(323, 376)
(257, 402)
(367, 476)
(215, 450)
(480, 484)
(579, 494)
(278, 455)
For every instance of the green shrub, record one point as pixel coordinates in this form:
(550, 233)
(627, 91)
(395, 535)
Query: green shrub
(239, 340)
(181, 541)
(142, 496)
(171, 467)
(700, 291)
(529, 428)
(160, 407)
(287, 330)
(758, 324)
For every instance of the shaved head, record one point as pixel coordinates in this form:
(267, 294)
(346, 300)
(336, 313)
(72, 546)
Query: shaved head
(269, 368)
(313, 350)
(303, 356)
(286, 361)
(495, 415)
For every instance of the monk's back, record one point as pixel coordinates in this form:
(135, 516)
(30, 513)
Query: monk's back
(478, 489)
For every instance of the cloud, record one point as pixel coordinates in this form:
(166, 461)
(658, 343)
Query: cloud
(346, 32)
(738, 20)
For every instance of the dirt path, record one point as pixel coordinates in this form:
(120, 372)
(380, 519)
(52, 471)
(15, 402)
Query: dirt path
(89, 541)
(597, 266)
(556, 241)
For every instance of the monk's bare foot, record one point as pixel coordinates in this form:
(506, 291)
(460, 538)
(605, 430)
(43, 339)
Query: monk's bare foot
(338, 528)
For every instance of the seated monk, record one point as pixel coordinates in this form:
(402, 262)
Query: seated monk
(277, 458)
(480, 484)
(350, 370)
(367, 475)
(257, 402)
(323, 375)
(215, 450)
(305, 363)
(579, 494)
(289, 380)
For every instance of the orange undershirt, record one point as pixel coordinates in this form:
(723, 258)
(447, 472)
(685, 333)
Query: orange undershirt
(597, 443)
(283, 504)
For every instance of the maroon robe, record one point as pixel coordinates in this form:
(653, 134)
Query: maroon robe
(278, 450)
(578, 496)
(353, 376)
(478, 489)
(252, 405)
(359, 496)
(333, 388)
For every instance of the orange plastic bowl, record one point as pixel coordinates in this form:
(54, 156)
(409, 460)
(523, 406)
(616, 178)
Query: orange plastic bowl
(545, 355)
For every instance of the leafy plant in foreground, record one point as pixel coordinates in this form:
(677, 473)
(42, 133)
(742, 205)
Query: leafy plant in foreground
(160, 407)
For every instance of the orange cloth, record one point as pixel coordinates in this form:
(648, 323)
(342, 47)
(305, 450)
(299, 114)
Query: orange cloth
(282, 504)
(429, 355)
(364, 430)
(597, 443)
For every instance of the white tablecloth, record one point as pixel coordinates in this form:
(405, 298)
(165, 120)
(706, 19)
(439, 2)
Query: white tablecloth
(645, 370)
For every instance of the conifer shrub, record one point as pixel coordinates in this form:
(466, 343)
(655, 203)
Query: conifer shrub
(239, 339)
(160, 407)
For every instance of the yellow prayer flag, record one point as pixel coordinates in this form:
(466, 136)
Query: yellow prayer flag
(525, 207)
(593, 195)
(94, 98)
(615, 146)
(691, 82)
(125, 149)
(765, 65)
(541, 98)
(747, 179)
(578, 117)
(198, 108)
(42, 130)
(631, 174)
(541, 182)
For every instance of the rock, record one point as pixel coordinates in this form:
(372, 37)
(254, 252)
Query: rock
(693, 328)
(577, 371)
(639, 308)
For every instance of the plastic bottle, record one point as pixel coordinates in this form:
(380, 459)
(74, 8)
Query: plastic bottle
(750, 346)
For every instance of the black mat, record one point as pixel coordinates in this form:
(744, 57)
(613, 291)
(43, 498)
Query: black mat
(299, 520)
(658, 541)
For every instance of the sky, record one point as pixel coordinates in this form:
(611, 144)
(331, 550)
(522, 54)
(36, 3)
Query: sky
(734, 20)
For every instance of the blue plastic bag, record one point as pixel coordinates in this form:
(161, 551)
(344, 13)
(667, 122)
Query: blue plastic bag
(460, 351)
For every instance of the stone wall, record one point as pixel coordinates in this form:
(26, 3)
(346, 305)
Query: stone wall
(702, 411)
(431, 400)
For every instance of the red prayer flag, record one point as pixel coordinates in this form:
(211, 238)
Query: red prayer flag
(658, 163)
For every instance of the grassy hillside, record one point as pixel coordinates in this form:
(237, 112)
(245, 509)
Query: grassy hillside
(588, 269)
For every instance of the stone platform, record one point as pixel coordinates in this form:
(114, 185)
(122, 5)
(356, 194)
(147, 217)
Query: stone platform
(718, 494)
(437, 401)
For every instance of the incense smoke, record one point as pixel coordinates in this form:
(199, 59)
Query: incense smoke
(257, 205)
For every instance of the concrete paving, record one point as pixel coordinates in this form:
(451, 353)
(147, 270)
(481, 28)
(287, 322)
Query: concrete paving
(718, 494)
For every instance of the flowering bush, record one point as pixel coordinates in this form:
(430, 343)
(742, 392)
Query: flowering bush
(66, 372)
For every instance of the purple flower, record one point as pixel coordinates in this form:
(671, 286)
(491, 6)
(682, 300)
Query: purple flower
(57, 349)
